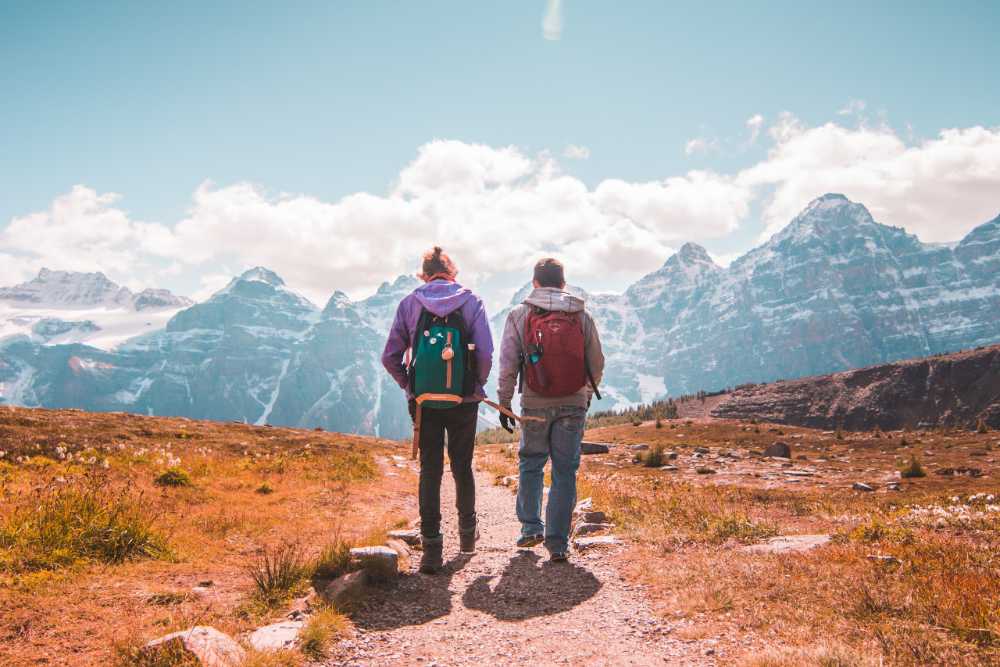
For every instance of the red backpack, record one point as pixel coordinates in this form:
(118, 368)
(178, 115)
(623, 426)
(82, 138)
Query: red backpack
(555, 362)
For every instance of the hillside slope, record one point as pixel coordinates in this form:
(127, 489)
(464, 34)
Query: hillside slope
(955, 389)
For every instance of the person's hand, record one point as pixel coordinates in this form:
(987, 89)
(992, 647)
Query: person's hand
(506, 423)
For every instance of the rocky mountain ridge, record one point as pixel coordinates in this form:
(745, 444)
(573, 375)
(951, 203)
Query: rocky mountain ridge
(958, 389)
(833, 290)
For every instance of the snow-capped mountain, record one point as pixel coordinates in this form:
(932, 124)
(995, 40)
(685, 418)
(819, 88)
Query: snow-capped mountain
(831, 291)
(71, 289)
(71, 307)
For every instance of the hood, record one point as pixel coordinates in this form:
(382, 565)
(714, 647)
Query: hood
(553, 298)
(441, 297)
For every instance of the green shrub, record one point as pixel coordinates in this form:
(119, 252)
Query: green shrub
(913, 469)
(277, 573)
(79, 521)
(173, 477)
(323, 627)
(333, 560)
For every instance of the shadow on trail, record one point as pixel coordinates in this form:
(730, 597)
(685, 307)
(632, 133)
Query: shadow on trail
(414, 599)
(527, 590)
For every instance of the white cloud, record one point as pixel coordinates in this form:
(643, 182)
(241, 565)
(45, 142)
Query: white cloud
(937, 188)
(497, 209)
(552, 22)
(574, 152)
(853, 108)
(754, 124)
(700, 145)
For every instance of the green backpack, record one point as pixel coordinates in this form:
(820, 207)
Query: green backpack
(441, 367)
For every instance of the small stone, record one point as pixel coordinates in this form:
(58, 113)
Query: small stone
(594, 516)
(668, 468)
(594, 448)
(778, 449)
(894, 486)
(639, 448)
(381, 563)
(861, 486)
(789, 543)
(701, 450)
(705, 470)
(670, 456)
(276, 637)
(799, 473)
(585, 543)
(345, 590)
(411, 537)
(206, 644)
(591, 528)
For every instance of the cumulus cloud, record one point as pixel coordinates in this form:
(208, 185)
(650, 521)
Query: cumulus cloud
(574, 152)
(552, 22)
(937, 188)
(497, 209)
(754, 124)
(84, 231)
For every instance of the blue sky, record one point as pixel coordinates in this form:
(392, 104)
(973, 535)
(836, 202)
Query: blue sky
(326, 99)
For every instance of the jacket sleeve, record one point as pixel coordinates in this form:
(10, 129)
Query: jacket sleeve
(395, 348)
(510, 360)
(482, 337)
(595, 355)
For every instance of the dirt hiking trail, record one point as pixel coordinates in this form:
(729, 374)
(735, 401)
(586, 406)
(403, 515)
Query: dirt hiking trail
(502, 606)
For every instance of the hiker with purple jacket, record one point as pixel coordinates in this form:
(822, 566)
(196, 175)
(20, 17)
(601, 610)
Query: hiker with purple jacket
(440, 352)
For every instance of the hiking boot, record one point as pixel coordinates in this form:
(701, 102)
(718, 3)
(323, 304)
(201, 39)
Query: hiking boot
(528, 541)
(433, 559)
(467, 541)
(559, 556)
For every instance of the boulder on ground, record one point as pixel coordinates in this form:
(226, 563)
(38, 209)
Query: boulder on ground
(585, 543)
(593, 516)
(381, 562)
(591, 528)
(205, 644)
(345, 590)
(594, 448)
(411, 537)
(778, 449)
(789, 543)
(861, 486)
(276, 637)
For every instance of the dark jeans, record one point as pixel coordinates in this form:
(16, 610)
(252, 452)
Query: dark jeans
(460, 424)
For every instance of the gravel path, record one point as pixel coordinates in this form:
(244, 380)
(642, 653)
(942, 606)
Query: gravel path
(503, 606)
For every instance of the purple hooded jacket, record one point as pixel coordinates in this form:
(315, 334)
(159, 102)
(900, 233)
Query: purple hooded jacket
(440, 297)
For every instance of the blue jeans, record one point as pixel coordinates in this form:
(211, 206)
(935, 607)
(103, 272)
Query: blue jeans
(558, 436)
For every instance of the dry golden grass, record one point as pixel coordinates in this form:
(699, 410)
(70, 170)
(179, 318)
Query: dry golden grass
(145, 559)
(911, 577)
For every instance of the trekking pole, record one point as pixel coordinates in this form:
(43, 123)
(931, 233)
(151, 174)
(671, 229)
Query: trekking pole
(521, 418)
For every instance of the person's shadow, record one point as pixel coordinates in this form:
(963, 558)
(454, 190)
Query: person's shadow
(412, 599)
(526, 590)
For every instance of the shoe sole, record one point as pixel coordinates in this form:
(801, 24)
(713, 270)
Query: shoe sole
(560, 558)
(533, 542)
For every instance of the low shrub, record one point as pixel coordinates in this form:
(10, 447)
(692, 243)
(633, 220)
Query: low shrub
(173, 477)
(325, 626)
(913, 469)
(79, 521)
(277, 573)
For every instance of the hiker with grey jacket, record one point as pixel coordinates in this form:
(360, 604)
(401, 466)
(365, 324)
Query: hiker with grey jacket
(551, 344)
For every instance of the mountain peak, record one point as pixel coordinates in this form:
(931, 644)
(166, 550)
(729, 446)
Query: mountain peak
(692, 252)
(263, 275)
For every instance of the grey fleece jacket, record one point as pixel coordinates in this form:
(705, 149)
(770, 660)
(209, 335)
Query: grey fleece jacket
(512, 349)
